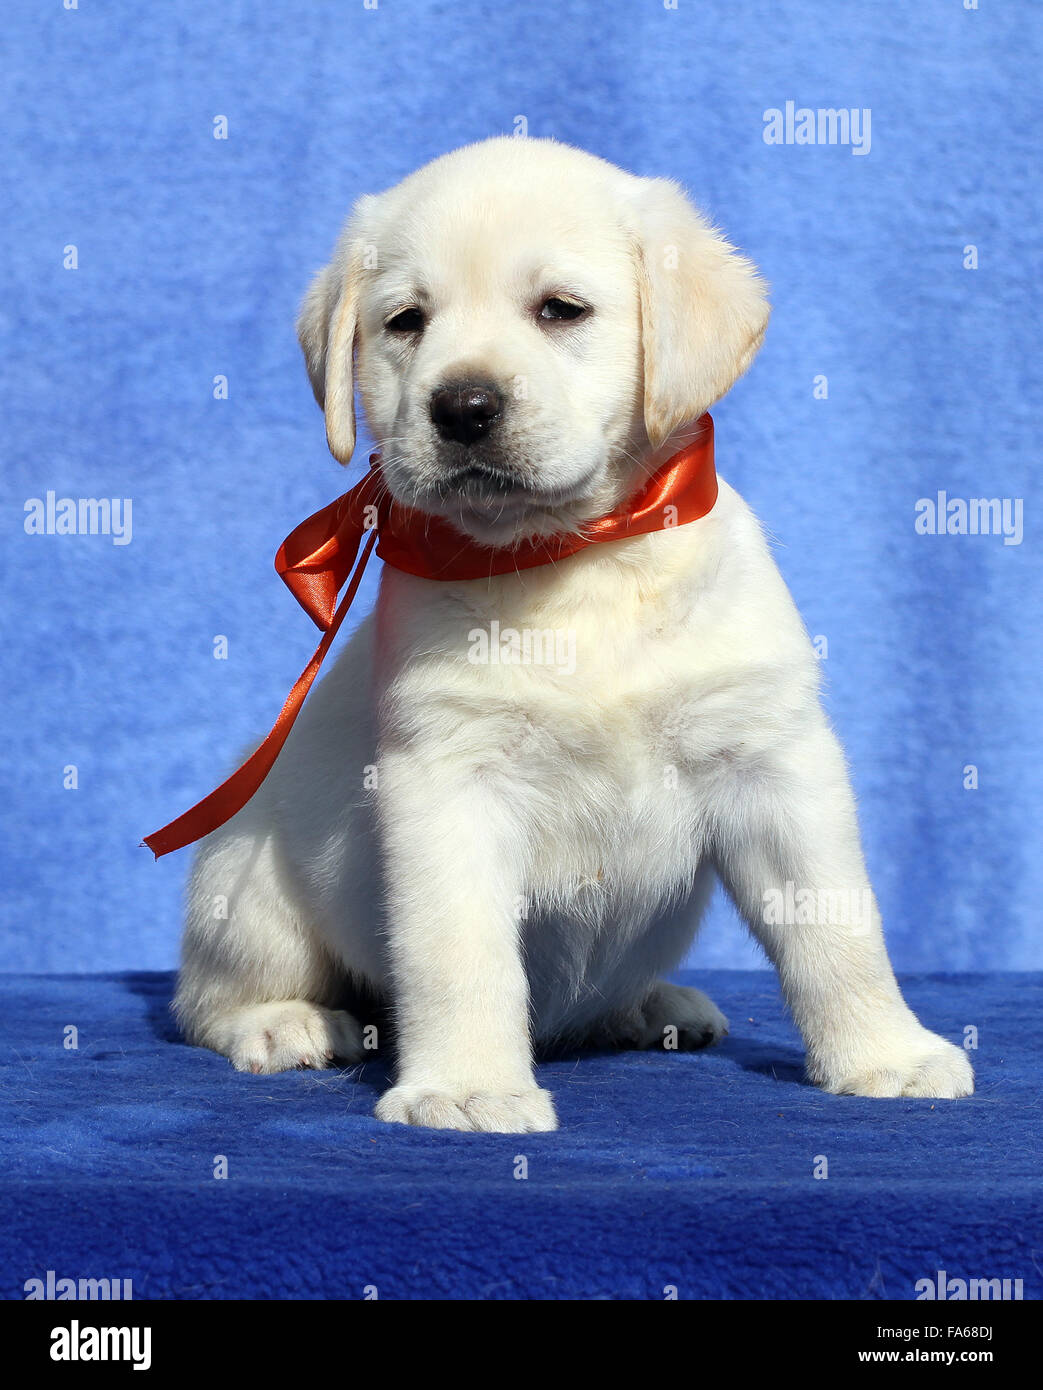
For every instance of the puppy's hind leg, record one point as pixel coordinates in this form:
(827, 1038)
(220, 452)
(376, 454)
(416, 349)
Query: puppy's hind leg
(676, 1018)
(257, 983)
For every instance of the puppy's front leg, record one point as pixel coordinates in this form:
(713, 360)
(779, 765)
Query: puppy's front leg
(791, 857)
(461, 999)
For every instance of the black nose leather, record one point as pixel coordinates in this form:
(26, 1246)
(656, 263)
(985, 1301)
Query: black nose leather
(465, 411)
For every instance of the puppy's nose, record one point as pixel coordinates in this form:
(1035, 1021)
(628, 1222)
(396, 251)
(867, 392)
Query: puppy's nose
(465, 411)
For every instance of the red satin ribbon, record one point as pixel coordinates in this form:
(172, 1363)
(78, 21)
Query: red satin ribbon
(317, 558)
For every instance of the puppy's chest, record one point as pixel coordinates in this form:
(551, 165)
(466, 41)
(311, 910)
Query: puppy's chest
(607, 735)
(647, 705)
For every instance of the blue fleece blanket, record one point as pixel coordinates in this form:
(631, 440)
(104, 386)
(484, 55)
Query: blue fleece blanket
(687, 1172)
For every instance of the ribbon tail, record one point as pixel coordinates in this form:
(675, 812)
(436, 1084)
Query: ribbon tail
(232, 795)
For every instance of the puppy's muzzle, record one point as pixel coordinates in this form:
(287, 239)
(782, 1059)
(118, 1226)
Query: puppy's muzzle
(466, 412)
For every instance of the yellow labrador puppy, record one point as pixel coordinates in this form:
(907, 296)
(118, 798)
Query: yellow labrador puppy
(514, 852)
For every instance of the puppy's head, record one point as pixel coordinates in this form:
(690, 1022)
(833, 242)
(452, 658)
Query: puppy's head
(531, 329)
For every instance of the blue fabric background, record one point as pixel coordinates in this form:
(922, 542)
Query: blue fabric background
(193, 253)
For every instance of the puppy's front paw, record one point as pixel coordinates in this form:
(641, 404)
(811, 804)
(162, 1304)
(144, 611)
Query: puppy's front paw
(926, 1066)
(493, 1112)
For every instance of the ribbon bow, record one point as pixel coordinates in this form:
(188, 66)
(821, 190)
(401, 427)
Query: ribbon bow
(321, 555)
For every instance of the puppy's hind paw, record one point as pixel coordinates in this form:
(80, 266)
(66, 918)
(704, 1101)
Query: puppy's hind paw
(285, 1035)
(677, 1018)
(682, 1017)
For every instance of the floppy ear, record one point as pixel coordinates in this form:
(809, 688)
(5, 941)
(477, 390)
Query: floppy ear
(326, 328)
(704, 308)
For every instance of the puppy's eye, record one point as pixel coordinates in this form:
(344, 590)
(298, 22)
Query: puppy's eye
(406, 321)
(563, 309)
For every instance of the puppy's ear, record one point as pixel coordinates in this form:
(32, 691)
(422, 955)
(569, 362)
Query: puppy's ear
(326, 327)
(704, 307)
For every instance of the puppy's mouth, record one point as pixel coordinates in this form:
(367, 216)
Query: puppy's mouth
(483, 484)
(491, 497)
(496, 507)
(488, 487)
(490, 504)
